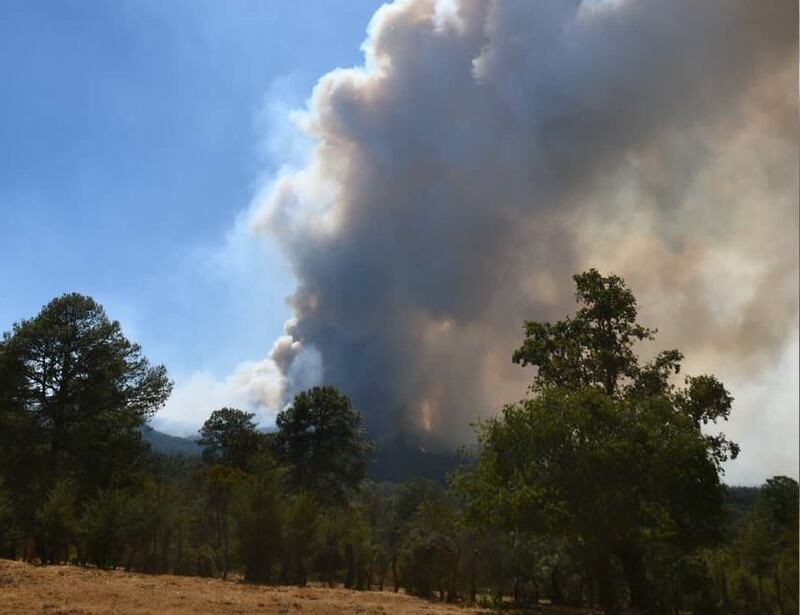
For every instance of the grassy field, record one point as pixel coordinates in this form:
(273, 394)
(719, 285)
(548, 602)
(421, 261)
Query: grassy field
(70, 590)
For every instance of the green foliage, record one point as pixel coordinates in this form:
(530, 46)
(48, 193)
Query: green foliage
(229, 437)
(432, 548)
(302, 520)
(766, 547)
(57, 521)
(259, 516)
(104, 527)
(778, 502)
(598, 472)
(360, 549)
(8, 533)
(608, 454)
(602, 486)
(593, 348)
(74, 393)
(401, 509)
(321, 441)
(221, 484)
(580, 464)
(154, 511)
(82, 380)
(333, 533)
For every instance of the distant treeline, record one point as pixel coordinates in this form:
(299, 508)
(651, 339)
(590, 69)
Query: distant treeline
(600, 488)
(394, 459)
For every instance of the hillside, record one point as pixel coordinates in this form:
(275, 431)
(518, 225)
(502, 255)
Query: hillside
(166, 444)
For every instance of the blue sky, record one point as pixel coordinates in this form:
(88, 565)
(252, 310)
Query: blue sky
(132, 134)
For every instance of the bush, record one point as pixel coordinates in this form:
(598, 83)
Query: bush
(259, 520)
(103, 527)
(57, 522)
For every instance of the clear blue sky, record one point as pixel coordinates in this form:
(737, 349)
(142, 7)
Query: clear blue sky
(131, 136)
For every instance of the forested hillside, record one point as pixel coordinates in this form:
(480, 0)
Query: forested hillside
(165, 444)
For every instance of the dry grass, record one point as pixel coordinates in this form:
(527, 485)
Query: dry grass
(70, 590)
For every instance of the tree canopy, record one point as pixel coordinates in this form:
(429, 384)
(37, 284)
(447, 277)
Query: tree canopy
(76, 390)
(321, 440)
(608, 453)
(603, 484)
(74, 394)
(230, 437)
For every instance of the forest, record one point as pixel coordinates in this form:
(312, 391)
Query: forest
(603, 487)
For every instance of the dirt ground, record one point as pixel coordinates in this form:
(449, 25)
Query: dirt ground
(70, 590)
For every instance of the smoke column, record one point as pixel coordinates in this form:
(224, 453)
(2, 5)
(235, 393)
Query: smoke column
(486, 151)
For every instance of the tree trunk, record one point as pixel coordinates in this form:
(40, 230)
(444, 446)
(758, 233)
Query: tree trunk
(395, 579)
(166, 539)
(330, 563)
(351, 565)
(451, 591)
(676, 590)
(225, 545)
(633, 565)
(179, 554)
(283, 578)
(473, 590)
(368, 578)
(131, 555)
(556, 593)
(381, 573)
(726, 598)
(778, 593)
(605, 584)
(501, 588)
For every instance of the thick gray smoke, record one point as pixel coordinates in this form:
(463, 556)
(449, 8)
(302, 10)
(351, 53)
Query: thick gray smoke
(489, 150)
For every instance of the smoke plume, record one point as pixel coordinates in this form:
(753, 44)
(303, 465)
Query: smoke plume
(486, 151)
